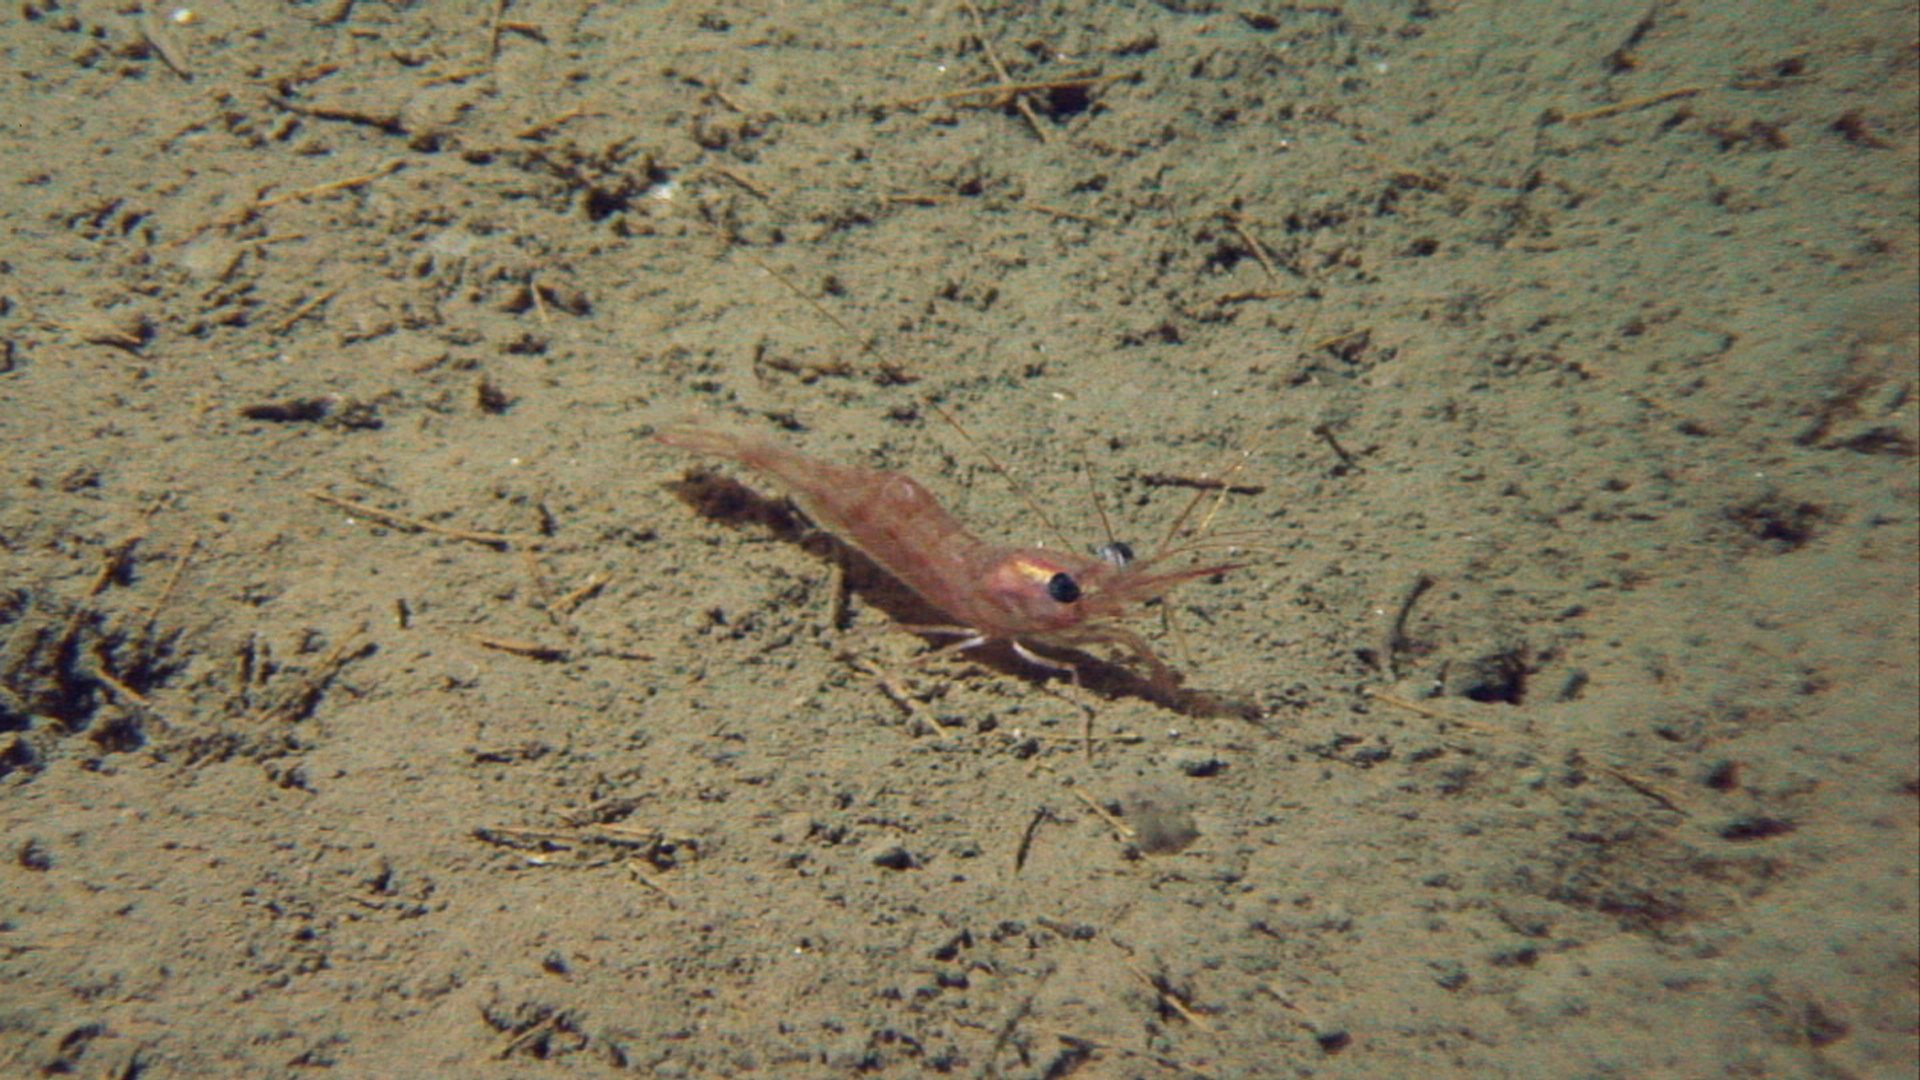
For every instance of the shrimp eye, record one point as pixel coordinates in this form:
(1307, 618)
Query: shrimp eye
(1063, 588)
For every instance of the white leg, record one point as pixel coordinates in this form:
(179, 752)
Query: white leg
(1037, 660)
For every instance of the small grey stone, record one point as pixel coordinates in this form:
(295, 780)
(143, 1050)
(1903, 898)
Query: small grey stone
(33, 855)
(890, 857)
(1195, 761)
(852, 1053)
(793, 828)
(1161, 823)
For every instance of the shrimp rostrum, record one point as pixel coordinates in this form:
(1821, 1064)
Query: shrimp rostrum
(1023, 596)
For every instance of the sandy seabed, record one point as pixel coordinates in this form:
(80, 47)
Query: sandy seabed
(377, 699)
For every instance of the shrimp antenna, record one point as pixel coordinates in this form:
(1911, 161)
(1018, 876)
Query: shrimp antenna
(1220, 486)
(1019, 489)
(1093, 493)
(1226, 489)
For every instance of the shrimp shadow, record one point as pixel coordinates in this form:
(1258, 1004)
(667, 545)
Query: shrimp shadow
(718, 497)
(1113, 679)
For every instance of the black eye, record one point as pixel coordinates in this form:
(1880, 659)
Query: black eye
(1063, 588)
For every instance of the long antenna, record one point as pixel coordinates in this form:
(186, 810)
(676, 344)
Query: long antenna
(1222, 486)
(1100, 508)
(1019, 489)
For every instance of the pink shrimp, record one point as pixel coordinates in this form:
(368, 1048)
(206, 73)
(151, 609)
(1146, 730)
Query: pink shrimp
(993, 592)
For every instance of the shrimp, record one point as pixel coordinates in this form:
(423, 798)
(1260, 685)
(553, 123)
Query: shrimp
(993, 592)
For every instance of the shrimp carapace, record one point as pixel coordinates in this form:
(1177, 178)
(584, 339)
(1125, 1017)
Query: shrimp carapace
(992, 592)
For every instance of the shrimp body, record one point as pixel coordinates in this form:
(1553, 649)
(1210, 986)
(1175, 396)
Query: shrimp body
(995, 592)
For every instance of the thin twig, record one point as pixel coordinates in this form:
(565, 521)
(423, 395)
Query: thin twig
(261, 202)
(1397, 640)
(112, 565)
(643, 879)
(1121, 830)
(285, 322)
(532, 650)
(1020, 851)
(1019, 99)
(413, 524)
(522, 1038)
(1620, 106)
(1096, 1046)
(166, 591)
(301, 701)
(1665, 800)
(1066, 215)
(1253, 245)
(1068, 82)
(581, 593)
(1172, 1000)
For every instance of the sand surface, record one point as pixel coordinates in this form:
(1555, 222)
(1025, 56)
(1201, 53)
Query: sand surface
(378, 699)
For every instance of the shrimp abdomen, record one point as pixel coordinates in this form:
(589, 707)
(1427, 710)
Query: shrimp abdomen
(887, 516)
